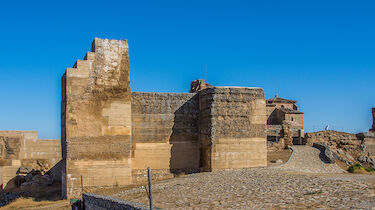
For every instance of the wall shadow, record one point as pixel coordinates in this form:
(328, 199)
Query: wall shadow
(184, 138)
(322, 154)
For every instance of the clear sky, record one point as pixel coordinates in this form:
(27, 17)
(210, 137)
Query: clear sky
(320, 53)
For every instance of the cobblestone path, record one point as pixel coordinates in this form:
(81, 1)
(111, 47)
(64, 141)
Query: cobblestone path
(307, 159)
(260, 188)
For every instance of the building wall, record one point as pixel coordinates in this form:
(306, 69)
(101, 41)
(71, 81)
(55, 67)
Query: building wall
(279, 119)
(232, 123)
(96, 118)
(271, 118)
(296, 120)
(49, 149)
(164, 131)
(284, 105)
(276, 117)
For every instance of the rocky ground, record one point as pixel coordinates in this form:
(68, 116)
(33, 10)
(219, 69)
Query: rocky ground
(347, 148)
(259, 188)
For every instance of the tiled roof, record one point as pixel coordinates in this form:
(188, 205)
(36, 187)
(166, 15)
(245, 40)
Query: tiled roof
(280, 100)
(290, 111)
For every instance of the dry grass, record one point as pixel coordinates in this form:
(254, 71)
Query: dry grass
(342, 164)
(51, 193)
(28, 203)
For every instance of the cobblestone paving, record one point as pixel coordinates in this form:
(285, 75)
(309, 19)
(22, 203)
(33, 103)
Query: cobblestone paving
(260, 188)
(306, 159)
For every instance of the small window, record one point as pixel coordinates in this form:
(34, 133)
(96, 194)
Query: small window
(292, 119)
(282, 106)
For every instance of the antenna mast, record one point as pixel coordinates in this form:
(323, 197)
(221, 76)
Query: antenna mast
(205, 72)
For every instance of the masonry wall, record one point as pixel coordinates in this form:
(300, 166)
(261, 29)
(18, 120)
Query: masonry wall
(23, 148)
(96, 118)
(165, 132)
(276, 117)
(296, 120)
(284, 105)
(232, 128)
(271, 118)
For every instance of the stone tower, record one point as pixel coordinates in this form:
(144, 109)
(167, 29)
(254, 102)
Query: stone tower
(232, 128)
(96, 118)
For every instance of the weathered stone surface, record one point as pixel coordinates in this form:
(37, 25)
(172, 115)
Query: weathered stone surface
(165, 131)
(96, 118)
(198, 85)
(232, 128)
(328, 154)
(346, 147)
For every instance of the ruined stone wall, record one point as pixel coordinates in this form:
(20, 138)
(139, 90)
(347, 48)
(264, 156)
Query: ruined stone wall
(345, 146)
(23, 148)
(48, 149)
(12, 141)
(96, 118)
(232, 128)
(165, 131)
(332, 136)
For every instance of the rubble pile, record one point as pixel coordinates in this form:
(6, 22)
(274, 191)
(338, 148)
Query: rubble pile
(27, 178)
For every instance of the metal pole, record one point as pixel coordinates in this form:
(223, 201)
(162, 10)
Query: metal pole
(81, 187)
(149, 186)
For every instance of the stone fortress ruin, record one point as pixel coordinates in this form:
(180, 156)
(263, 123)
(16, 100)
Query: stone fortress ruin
(110, 135)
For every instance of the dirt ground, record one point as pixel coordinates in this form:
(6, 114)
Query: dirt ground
(48, 197)
(283, 155)
(28, 203)
(49, 193)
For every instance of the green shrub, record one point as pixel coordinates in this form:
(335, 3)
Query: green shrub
(370, 169)
(352, 168)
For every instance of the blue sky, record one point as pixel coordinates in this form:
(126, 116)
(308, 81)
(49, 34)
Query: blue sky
(320, 53)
